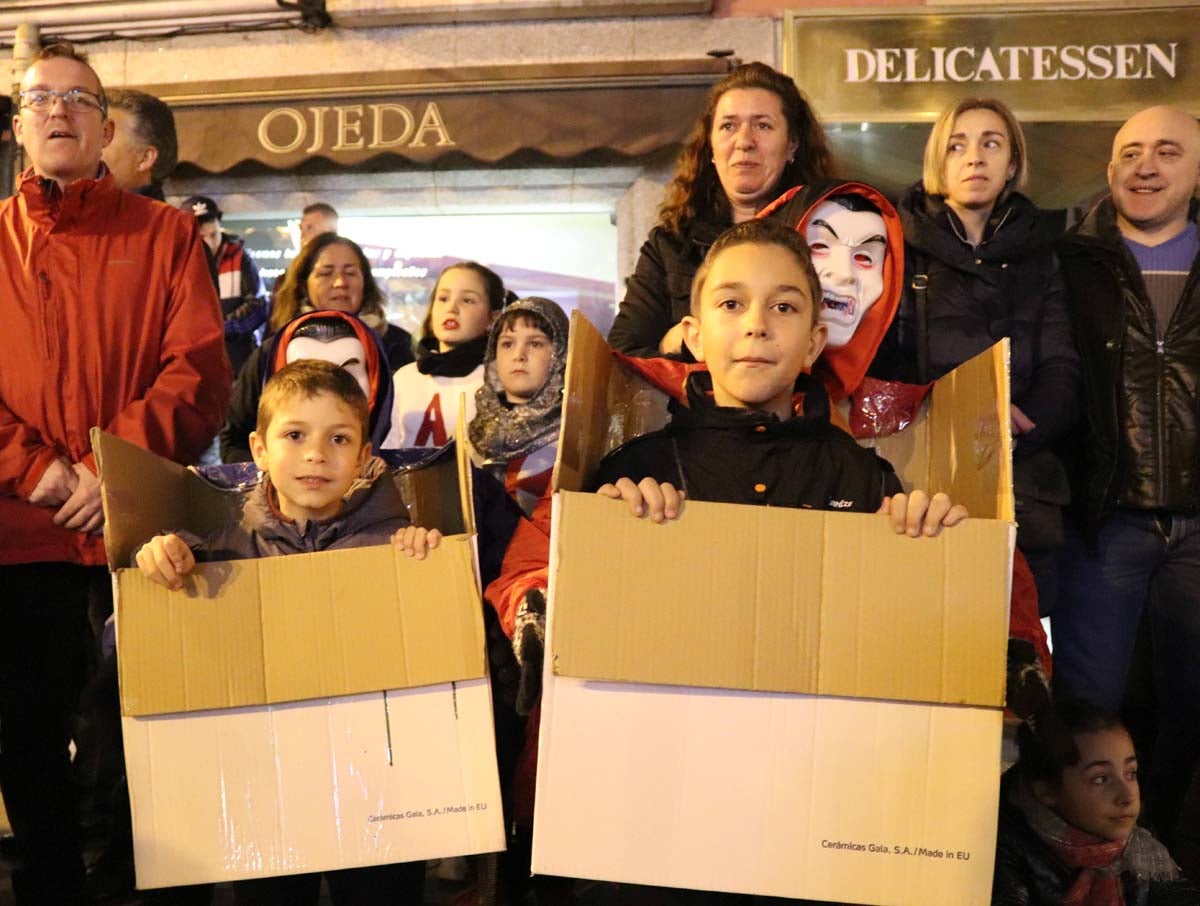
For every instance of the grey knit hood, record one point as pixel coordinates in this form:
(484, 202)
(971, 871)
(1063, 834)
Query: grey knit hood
(500, 431)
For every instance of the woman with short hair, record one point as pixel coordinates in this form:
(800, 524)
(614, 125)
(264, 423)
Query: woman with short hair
(980, 266)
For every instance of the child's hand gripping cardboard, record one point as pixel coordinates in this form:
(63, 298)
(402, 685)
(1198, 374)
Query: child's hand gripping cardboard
(918, 514)
(415, 541)
(166, 559)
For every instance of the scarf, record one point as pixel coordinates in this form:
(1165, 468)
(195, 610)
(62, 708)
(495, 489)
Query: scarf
(457, 362)
(1100, 863)
(501, 431)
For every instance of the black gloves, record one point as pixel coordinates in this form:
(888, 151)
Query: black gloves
(529, 644)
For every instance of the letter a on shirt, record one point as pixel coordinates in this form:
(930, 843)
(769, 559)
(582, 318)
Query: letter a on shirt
(432, 425)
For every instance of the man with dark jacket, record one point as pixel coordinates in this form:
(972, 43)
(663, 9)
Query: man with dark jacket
(110, 319)
(1132, 269)
(243, 300)
(144, 149)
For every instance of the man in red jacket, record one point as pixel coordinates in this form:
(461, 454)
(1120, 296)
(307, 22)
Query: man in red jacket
(109, 319)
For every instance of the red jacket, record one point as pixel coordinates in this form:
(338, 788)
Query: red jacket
(526, 565)
(109, 318)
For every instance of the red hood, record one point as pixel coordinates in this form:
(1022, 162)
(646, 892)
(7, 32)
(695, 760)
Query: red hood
(842, 370)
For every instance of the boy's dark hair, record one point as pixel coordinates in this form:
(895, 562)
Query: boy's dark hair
(761, 232)
(307, 378)
(319, 207)
(1039, 760)
(493, 287)
(65, 50)
(154, 125)
(526, 317)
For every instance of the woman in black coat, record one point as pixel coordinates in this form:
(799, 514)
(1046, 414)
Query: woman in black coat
(757, 137)
(980, 266)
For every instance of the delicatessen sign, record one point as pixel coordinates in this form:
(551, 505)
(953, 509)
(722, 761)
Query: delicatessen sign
(1082, 65)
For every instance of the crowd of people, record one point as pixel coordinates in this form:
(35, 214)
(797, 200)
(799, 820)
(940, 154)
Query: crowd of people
(783, 297)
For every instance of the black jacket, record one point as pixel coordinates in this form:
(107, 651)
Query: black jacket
(658, 295)
(1009, 286)
(728, 455)
(1141, 418)
(398, 347)
(1027, 872)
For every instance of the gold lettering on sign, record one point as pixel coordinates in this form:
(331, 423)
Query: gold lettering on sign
(349, 128)
(318, 116)
(1018, 63)
(377, 125)
(431, 121)
(264, 127)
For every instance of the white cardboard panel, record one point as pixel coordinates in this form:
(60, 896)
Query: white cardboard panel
(312, 786)
(745, 792)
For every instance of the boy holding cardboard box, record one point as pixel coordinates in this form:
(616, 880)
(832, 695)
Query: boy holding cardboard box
(757, 429)
(321, 490)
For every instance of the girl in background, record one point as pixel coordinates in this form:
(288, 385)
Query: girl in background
(465, 301)
(1068, 820)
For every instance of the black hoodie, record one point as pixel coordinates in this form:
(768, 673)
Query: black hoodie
(729, 455)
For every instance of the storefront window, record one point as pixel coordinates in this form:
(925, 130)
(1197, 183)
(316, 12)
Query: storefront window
(568, 257)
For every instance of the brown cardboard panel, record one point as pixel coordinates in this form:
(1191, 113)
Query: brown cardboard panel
(284, 628)
(144, 494)
(781, 600)
(462, 449)
(914, 619)
(961, 439)
(704, 623)
(971, 436)
(191, 650)
(604, 404)
(256, 632)
(344, 633)
(433, 494)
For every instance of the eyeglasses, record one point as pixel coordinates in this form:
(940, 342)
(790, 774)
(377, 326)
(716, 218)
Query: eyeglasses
(76, 100)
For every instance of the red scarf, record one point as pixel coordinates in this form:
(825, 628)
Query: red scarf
(1094, 886)
(1099, 862)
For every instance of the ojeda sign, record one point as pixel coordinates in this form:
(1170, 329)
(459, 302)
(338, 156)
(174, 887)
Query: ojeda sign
(352, 127)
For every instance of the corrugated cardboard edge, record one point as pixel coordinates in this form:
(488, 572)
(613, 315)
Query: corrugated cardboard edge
(596, 382)
(143, 493)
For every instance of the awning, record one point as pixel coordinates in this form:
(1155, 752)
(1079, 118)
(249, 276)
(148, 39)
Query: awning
(484, 114)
